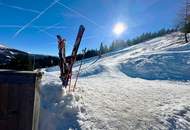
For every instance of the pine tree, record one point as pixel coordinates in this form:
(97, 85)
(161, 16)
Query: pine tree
(101, 50)
(184, 22)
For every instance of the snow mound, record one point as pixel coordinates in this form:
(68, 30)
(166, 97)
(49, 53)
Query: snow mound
(95, 70)
(163, 58)
(60, 111)
(163, 66)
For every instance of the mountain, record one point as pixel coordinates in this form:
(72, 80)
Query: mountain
(8, 54)
(141, 87)
(19, 60)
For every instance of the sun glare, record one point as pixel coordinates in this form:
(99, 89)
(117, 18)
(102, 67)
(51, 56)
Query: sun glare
(119, 28)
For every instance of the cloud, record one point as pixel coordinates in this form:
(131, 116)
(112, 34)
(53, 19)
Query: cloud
(20, 8)
(34, 19)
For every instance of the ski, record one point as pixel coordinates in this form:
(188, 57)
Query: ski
(62, 58)
(72, 60)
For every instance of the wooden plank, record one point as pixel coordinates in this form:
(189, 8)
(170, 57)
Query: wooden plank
(3, 101)
(19, 100)
(26, 105)
(36, 112)
(14, 78)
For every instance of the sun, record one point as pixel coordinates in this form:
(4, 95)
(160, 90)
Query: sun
(119, 28)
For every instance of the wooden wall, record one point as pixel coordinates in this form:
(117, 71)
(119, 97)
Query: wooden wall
(19, 100)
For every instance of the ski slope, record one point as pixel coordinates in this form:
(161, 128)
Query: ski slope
(142, 87)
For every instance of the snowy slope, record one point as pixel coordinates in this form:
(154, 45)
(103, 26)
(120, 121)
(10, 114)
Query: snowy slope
(145, 86)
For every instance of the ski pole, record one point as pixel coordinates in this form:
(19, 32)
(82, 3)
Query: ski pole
(74, 87)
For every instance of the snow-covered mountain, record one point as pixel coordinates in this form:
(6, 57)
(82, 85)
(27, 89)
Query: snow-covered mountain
(2, 46)
(142, 87)
(10, 59)
(7, 54)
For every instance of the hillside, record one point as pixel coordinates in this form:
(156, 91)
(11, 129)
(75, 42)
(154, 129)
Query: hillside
(7, 54)
(145, 86)
(19, 60)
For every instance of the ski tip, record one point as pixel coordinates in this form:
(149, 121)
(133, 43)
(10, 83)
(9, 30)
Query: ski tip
(58, 37)
(82, 26)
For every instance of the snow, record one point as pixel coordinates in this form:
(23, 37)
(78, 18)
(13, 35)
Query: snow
(59, 110)
(145, 86)
(155, 66)
(2, 46)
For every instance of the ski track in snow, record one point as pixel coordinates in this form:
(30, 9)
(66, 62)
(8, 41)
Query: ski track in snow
(113, 93)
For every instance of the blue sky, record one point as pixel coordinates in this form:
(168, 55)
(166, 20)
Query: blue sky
(31, 26)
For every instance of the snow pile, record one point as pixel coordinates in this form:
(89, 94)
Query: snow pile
(94, 71)
(164, 58)
(160, 66)
(59, 110)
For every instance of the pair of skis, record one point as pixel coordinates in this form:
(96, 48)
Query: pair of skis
(66, 65)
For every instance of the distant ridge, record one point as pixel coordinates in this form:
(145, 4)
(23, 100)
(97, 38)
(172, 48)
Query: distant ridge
(2, 46)
(11, 58)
